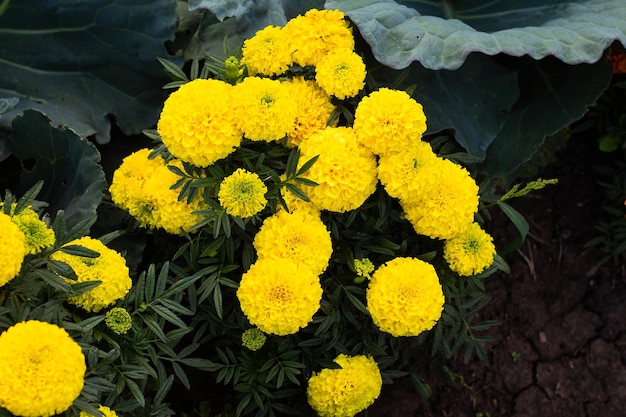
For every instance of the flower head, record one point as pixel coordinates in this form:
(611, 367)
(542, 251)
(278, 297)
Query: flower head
(316, 33)
(42, 369)
(345, 171)
(447, 206)
(37, 234)
(242, 194)
(142, 187)
(198, 123)
(253, 339)
(470, 252)
(118, 320)
(346, 391)
(300, 237)
(279, 296)
(341, 73)
(110, 268)
(314, 109)
(266, 108)
(404, 297)
(389, 121)
(364, 267)
(12, 249)
(106, 412)
(267, 52)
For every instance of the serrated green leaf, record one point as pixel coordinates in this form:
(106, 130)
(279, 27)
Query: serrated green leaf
(168, 315)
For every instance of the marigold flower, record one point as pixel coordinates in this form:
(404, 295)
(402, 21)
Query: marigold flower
(242, 194)
(314, 109)
(316, 33)
(253, 339)
(279, 296)
(408, 174)
(106, 412)
(12, 249)
(299, 237)
(118, 320)
(42, 369)
(346, 391)
(110, 268)
(198, 123)
(141, 186)
(37, 234)
(341, 73)
(389, 121)
(364, 267)
(345, 171)
(404, 297)
(267, 52)
(470, 252)
(449, 204)
(266, 108)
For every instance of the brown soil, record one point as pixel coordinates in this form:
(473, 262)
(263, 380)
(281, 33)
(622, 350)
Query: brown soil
(560, 350)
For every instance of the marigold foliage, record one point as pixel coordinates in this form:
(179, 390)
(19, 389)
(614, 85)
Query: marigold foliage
(470, 252)
(12, 249)
(141, 186)
(300, 237)
(110, 268)
(37, 234)
(279, 296)
(266, 108)
(314, 109)
(346, 391)
(316, 33)
(267, 52)
(404, 297)
(448, 205)
(198, 123)
(341, 73)
(106, 412)
(388, 121)
(345, 171)
(242, 194)
(42, 369)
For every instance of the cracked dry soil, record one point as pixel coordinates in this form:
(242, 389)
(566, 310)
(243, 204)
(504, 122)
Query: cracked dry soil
(560, 350)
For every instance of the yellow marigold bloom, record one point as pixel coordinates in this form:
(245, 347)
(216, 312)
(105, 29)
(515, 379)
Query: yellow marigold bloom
(37, 234)
(389, 121)
(316, 33)
(470, 252)
(12, 249)
(42, 369)
(141, 186)
(408, 174)
(449, 204)
(242, 194)
(106, 412)
(119, 320)
(266, 108)
(314, 109)
(341, 73)
(110, 268)
(267, 52)
(279, 296)
(346, 391)
(345, 171)
(299, 237)
(198, 123)
(404, 297)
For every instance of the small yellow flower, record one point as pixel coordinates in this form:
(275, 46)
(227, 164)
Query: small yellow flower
(404, 297)
(106, 412)
(470, 252)
(253, 339)
(364, 267)
(37, 234)
(118, 320)
(42, 369)
(12, 249)
(341, 73)
(346, 391)
(267, 52)
(242, 194)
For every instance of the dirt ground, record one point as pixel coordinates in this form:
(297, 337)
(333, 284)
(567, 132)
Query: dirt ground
(561, 347)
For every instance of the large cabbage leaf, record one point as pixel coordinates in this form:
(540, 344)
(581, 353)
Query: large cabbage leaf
(86, 63)
(441, 34)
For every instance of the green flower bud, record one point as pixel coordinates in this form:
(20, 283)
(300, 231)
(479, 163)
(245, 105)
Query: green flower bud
(364, 268)
(232, 69)
(118, 320)
(253, 339)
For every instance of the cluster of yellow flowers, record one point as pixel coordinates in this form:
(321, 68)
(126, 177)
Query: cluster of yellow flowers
(23, 234)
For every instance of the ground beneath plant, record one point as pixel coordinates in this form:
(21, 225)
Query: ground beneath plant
(561, 347)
